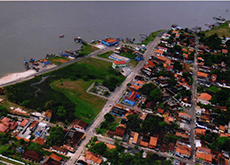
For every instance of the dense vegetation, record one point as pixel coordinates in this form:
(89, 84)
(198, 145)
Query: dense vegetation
(213, 41)
(40, 96)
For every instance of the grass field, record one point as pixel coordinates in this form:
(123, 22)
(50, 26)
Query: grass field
(3, 148)
(151, 37)
(132, 62)
(213, 89)
(58, 60)
(87, 49)
(54, 92)
(106, 54)
(87, 105)
(222, 30)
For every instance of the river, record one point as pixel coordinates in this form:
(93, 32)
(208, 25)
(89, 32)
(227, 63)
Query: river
(32, 29)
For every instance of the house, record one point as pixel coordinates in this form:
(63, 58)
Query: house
(144, 143)
(118, 64)
(78, 124)
(200, 131)
(92, 159)
(6, 124)
(109, 41)
(32, 156)
(73, 138)
(168, 119)
(164, 49)
(3, 128)
(205, 98)
(224, 51)
(159, 52)
(160, 58)
(221, 129)
(53, 160)
(182, 149)
(109, 146)
(184, 116)
(135, 138)
(33, 126)
(131, 99)
(118, 110)
(110, 133)
(59, 150)
(204, 156)
(40, 141)
(48, 115)
(119, 132)
(202, 74)
(153, 142)
(183, 135)
(160, 111)
(24, 123)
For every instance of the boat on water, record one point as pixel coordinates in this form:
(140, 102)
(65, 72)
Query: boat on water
(61, 36)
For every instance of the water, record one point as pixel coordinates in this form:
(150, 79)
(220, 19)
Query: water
(32, 29)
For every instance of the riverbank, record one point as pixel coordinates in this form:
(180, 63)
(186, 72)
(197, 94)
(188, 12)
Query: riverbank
(13, 77)
(16, 76)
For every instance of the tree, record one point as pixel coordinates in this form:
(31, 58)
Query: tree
(177, 65)
(56, 136)
(177, 48)
(61, 111)
(26, 103)
(108, 117)
(99, 148)
(49, 104)
(3, 111)
(155, 94)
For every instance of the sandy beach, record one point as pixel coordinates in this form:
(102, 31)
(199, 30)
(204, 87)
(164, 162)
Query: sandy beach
(16, 76)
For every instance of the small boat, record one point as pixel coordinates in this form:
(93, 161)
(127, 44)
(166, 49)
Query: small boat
(61, 36)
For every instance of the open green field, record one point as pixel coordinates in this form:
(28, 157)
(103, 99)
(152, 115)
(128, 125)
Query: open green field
(106, 54)
(87, 105)
(87, 49)
(58, 60)
(132, 62)
(222, 30)
(3, 148)
(213, 89)
(151, 37)
(50, 91)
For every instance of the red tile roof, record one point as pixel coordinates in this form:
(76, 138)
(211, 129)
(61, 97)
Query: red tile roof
(24, 122)
(144, 144)
(184, 114)
(159, 51)
(205, 96)
(3, 128)
(120, 131)
(205, 156)
(201, 74)
(119, 62)
(93, 158)
(80, 123)
(135, 137)
(48, 113)
(153, 142)
(160, 110)
(200, 131)
(110, 40)
(55, 157)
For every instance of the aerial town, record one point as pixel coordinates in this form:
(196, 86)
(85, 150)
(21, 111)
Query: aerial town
(163, 101)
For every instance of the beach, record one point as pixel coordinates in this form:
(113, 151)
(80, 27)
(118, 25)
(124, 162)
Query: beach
(21, 76)
(16, 76)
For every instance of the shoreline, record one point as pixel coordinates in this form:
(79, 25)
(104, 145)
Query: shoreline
(16, 76)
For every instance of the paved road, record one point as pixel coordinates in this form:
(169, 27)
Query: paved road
(193, 108)
(112, 100)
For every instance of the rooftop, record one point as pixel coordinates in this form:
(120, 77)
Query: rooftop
(119, 62)
(205, 96)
